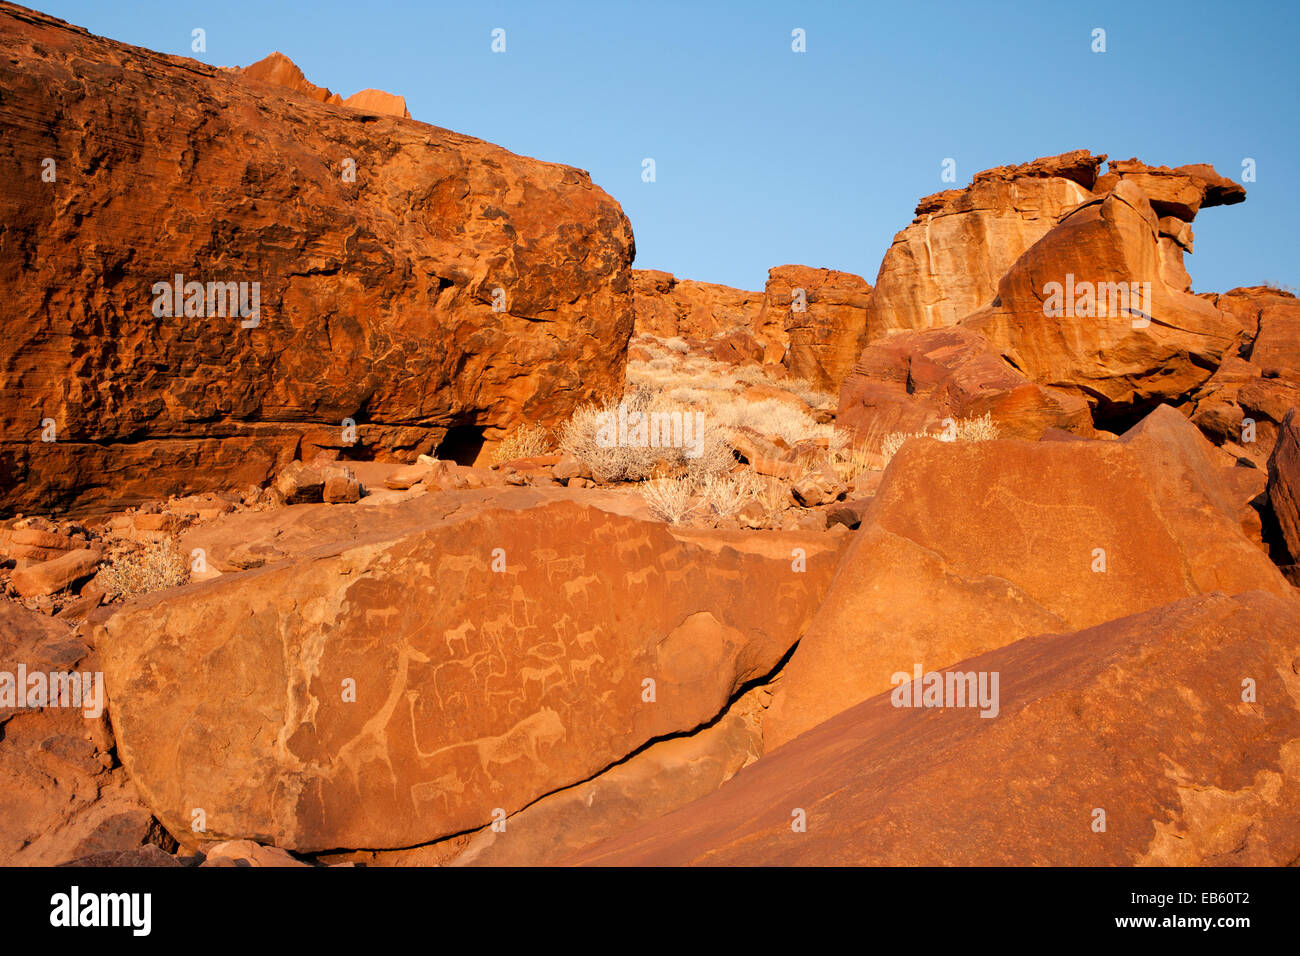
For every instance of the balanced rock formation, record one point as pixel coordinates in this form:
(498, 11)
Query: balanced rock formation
(948, 262)
(1142, 719)
(1086, 309)
(968, 547)
(206, 276)
(821, 316)
(394, 689)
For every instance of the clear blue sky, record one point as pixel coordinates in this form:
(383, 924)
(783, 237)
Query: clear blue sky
(765, 156)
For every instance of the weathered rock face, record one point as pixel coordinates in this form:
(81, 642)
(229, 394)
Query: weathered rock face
(1066, 316)
(476, 690)
(912, 381)
(1142, 718)
(448, 284)
(61, 794)
(1284, 482)
(670, 774)
(667, 306)
(821, 315)
(1242, 404)
(1032, 538)
(948, 262)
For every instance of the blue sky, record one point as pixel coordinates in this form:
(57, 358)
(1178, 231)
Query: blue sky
(765, 156)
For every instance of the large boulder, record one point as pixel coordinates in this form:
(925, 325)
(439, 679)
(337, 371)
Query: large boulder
(404, 685)
(913, 381)
(968, 547)
(1086, 309)
(822, 317)
(1167, 738)
(433, 288)
(62, 793)
(948, 262)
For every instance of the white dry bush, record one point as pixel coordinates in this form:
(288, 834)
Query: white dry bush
(751, 375)
(727, 493)
(811, 394)
(676, 344)
(982, 428)
(972, 429)
(580, 437)
(772, 417)
(671, 499)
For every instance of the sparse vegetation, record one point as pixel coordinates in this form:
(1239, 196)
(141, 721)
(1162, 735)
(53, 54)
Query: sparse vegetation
(671, 499)
(981, 428)
(726, 494)
(524, 442)
(150, 568)
(617, 460)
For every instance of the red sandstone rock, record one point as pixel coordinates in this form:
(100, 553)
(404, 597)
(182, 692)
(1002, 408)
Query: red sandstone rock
(913, 381)
(378, 101)
(824, 317)
(668, 307)
(1142, 718)
(1284, 482)
(60, 794)
(378, 295)
(50, 577)
(1180, 192)
(948, 262)
(430, 632)
(1033, 537)
(1116, 352)
(278, 70)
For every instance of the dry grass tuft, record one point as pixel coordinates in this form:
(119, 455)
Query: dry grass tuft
(524, 442)
(154, 567)
(672, 499)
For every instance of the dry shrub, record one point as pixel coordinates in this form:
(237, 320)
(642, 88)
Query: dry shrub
(153, 567)
(671, 499)
(524, 442)
(851, 458)
(580, 437)
(727, 493)
(981, 428)
(772, 417)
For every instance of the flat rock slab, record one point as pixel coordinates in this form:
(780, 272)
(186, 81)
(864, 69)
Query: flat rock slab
(496, 655)
(1142, 718)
